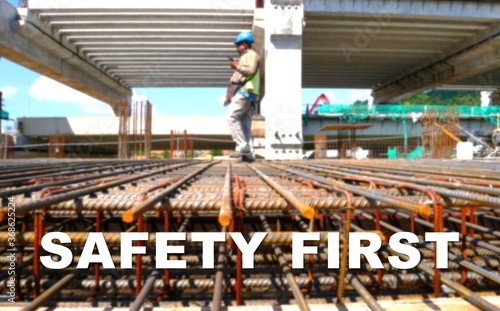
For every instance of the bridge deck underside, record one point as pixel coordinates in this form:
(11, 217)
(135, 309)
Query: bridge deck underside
(353, 50)
(151, 47)
(171, 47)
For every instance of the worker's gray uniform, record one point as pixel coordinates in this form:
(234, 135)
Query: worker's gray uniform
(239, 114)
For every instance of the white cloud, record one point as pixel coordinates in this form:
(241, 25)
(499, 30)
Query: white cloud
(97, 108)
(157, 111)
(138, 97)
(47, 89)
(8, 92)
(141, 98)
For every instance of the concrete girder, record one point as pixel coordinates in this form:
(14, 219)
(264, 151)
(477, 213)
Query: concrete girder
(144, 4)
(398, 33)
(47, 57)
(474, 61)
(471, 9)
(406, 36)
(151, 35)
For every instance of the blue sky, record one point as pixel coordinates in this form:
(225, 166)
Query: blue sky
(28, 94)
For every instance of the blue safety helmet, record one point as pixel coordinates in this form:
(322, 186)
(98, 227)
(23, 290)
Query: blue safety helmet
(245, 36)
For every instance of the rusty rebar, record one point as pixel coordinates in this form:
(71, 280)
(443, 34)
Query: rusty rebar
(226, 210)
(50, 292)
(292, 284)
(256, 204)
(306, 210)
(35, 204)
(219, 275)
(391, 281)
(469, 239)
(136, 211)
(468, 265)
(114, 172)
(421, 209)
(78, 239)
(464, 195)
(463, 291)
(364, 293)
(473, 261)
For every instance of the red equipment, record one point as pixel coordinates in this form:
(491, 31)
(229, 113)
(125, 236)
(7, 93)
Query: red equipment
(323, 98)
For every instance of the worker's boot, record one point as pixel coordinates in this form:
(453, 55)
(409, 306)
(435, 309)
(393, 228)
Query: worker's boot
(249, 158)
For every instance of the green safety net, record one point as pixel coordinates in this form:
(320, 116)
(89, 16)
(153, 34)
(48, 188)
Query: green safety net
(417, 153)
(394, 153)
(355, 113)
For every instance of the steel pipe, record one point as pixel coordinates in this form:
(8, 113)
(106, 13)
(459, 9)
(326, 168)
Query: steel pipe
(146, 290)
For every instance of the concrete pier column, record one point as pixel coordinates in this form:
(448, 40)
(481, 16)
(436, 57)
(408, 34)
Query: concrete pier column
(282, 104)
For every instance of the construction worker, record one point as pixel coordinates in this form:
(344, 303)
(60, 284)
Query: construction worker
(242, 95)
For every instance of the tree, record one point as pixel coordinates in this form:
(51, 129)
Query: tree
(214, 153)
(444, 98)
(166, 154)
(361, 102)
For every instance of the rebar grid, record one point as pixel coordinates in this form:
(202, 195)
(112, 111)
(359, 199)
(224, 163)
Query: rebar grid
(274, 197)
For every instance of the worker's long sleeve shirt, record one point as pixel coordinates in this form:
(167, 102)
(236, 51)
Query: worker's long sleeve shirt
(247, 67)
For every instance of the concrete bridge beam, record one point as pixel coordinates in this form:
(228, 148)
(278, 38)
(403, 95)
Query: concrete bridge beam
(26, 44)
(476, 60)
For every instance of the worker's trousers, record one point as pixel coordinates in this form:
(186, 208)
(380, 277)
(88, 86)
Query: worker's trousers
(239, 119)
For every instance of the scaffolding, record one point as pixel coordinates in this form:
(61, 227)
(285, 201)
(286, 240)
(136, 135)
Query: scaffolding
(439, 135)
